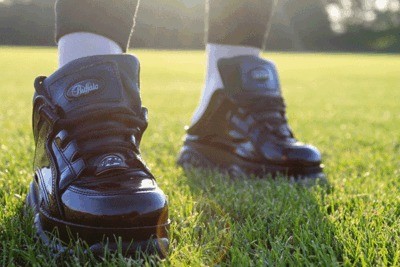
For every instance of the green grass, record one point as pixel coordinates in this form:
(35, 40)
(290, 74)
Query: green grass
(346, 105)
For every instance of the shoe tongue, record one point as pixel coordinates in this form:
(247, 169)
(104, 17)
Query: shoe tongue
(249, 74)
(96, 82)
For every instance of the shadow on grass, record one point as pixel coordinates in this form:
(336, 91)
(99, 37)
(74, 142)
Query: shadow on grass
(243, 222)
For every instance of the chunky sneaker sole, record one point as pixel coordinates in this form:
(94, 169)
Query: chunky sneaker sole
(195, 156)
(150, 240)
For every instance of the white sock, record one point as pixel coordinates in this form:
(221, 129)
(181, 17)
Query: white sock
(213, 79)
(83, 44)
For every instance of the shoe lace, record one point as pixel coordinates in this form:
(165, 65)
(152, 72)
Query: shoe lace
(95, 125)
(100, 131)
(268, 115)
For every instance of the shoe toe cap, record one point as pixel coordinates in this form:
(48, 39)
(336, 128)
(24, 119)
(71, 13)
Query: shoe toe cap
(303, 154)
(121, 206)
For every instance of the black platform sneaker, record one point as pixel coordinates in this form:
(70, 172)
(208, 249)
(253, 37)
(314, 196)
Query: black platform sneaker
(244, 129)
(90, 181)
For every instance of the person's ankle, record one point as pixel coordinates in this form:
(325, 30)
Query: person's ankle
(213, 79)
(83, 44)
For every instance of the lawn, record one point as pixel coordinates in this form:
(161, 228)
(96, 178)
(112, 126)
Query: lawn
(346, 105)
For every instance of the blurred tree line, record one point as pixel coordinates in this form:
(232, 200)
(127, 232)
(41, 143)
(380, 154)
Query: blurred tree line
(300, 25)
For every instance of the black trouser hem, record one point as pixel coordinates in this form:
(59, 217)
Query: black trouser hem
(239, 22)
(113, 19)
(230, 22)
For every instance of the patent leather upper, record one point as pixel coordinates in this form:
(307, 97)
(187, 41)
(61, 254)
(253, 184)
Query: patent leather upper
(247, 118)
(111, 187)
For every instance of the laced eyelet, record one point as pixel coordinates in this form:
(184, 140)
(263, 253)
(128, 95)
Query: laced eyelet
(94, 135)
